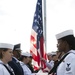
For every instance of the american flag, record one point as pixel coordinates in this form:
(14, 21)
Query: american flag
(37, 40)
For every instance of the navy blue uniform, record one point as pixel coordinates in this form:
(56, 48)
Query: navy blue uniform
(16, 67)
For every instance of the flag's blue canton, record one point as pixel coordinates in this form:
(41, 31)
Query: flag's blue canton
(38, 23)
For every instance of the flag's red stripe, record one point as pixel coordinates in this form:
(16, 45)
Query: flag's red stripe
(43, 54)
(33, 41)
(36, 58)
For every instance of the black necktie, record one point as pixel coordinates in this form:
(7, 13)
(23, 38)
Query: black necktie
(53, 70)
(8, 70)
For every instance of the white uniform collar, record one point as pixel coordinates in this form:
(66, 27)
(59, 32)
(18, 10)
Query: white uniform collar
(1, 61)
(16, 59)
(71, 51)
(22, 63)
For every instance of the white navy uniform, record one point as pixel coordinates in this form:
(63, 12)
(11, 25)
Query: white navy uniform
(67, 66)
(3, 70)
(50, 64)
(26, 70)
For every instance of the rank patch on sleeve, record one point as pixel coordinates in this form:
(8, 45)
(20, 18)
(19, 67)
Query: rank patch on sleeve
(68, 67)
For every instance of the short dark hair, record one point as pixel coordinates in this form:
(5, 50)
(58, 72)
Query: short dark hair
(22, 57)
(70, 40)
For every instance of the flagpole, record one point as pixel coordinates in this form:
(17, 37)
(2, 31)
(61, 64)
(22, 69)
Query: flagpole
(44, 24)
